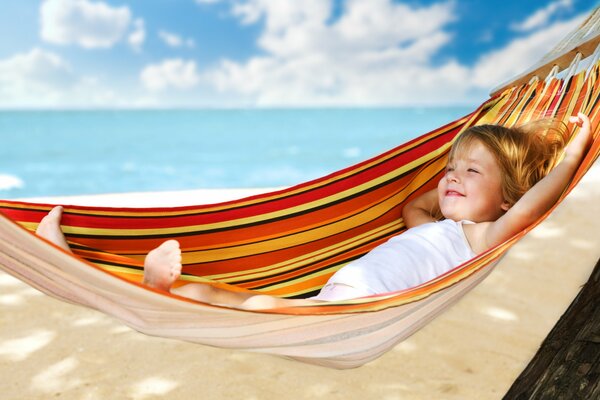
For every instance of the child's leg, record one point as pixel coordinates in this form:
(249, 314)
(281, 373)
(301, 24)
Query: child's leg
(245, 301)
(162, 268)
(162, 265)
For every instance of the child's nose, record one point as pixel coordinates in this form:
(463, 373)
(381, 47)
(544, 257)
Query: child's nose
(452, 176)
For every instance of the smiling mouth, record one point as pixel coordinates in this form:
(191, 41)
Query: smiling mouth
(454, 193)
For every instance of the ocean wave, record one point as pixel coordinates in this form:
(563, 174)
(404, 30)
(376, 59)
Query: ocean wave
(8, 182)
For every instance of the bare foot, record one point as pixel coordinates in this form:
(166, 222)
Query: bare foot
(49, 228)
(162, 266)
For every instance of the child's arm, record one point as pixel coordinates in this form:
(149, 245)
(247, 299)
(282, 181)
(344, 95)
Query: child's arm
(422, 209)
(542, 196)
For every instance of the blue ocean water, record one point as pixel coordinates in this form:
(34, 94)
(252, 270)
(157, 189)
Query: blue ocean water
(55, 153)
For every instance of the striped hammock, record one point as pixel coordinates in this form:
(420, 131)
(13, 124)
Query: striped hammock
(286, 243)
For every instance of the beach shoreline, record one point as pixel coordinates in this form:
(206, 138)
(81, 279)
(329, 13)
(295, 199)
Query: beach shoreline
(474, 350)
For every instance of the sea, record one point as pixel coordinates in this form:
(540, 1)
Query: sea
(82, 152)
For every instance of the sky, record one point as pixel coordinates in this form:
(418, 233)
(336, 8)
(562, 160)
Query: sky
(63, 54)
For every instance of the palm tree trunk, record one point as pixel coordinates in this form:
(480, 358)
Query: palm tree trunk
(567, 365)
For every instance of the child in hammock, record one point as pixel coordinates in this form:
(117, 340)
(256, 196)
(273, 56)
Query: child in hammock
(498, 181)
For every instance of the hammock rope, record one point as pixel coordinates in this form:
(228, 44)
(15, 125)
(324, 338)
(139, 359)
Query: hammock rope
(286, 243)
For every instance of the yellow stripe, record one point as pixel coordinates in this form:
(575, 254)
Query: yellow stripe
(332, 228)
(291, 240)
(258, 218)
(318, 255)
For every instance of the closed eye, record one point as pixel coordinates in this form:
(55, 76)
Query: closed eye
(473, 170)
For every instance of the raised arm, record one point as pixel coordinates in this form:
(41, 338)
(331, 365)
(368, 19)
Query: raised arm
(542, 196)
(422, 209)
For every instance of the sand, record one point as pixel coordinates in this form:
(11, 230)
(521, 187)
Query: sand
(50, 349)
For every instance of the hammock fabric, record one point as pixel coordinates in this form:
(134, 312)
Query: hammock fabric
(286, 243)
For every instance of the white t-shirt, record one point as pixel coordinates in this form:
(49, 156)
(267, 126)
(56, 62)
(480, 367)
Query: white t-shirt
(407, 260)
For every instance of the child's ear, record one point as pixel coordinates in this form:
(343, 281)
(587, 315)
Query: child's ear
(505, 206)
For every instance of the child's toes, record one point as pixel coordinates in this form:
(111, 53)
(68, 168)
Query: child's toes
(175, 259)
(171, 244)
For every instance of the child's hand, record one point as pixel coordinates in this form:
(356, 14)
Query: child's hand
(580, 120)
(579, 144)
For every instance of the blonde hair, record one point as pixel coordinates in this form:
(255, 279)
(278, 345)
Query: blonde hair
(525, 154)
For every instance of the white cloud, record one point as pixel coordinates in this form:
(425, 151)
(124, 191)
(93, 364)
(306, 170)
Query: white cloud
(88, 24)
(138, 36)
(380, 23)
(542, 16)
(497, 66)
(172, 73)
(36, 76)
(376, 53)
(43, 79)
(293, 27)
(174, 40)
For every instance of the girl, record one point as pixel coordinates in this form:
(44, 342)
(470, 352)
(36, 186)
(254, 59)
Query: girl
(498, 181)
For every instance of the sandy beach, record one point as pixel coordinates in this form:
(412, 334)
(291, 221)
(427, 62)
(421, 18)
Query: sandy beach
(49, 349)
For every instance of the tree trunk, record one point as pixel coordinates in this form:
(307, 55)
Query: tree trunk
(567, 365)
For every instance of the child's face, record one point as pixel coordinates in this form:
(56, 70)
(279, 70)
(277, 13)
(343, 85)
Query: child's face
(472, 187)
